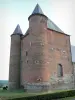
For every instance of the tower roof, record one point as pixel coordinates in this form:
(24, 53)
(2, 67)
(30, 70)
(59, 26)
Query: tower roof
(50, 25)
(17, 30)
(53, 26)
(37, 10)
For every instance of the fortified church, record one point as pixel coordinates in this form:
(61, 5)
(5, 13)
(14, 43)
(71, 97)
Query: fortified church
(40, 59)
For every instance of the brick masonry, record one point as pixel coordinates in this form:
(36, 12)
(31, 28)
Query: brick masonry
(14, 66)
(45, 49)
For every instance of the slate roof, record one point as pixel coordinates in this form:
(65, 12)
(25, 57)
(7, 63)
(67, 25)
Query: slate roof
(50, 24)
(37, 10)
(73, 53)
(17, 30)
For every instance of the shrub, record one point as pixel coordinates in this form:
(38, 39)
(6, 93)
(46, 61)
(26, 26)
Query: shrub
(49, 96)
(5, 87)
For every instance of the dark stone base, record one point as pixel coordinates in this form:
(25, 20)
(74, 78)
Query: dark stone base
(13, 86)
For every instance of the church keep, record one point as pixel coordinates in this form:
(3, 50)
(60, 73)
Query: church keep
(40, 60)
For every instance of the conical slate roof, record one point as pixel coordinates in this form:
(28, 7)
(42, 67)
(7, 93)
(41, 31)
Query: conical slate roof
(50, 24)
(37, 10)
(17, 30)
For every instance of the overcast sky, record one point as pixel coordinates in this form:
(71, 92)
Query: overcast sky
(13, 12)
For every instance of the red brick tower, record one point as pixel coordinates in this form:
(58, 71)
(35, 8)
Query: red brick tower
(15, 53)
(35, 66)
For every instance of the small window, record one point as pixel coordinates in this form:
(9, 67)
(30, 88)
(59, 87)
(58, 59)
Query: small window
(26, 53)
(60, 70)
(27, 61)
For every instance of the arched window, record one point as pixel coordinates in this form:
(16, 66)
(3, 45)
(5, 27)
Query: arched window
(60, 70)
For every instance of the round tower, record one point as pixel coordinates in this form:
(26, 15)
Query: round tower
(37, 21)
(15, 53)
(36, 69)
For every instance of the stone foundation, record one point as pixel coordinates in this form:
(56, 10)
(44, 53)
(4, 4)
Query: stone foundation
(62, 83)
(55, 83)
(37, 87)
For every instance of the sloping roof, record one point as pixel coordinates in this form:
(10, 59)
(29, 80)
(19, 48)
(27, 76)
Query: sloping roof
(37, 10)
(17, 30)
(50, 24)
(73, 53)
(53, 26)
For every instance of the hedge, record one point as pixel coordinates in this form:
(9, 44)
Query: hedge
(48, 96)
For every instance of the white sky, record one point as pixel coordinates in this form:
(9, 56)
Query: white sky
(13, 12)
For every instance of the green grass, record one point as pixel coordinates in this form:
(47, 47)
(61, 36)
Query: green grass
(5, 94)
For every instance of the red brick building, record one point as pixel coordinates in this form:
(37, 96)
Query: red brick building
(41, 59)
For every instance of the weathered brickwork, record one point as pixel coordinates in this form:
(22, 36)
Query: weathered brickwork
(14, 67)
(46, 49)
(59, 51)
(38, 58)
(37, 67)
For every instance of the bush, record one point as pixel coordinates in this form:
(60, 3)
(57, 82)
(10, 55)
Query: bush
(5, 87)
(49, 96)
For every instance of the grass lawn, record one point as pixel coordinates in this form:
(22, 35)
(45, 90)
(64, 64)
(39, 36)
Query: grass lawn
(5, 94)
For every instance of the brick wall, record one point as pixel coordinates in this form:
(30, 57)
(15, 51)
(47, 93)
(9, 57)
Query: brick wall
(46, 49)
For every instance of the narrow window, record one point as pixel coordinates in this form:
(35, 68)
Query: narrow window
(26, 53)
(60, 70)
(27, 61)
